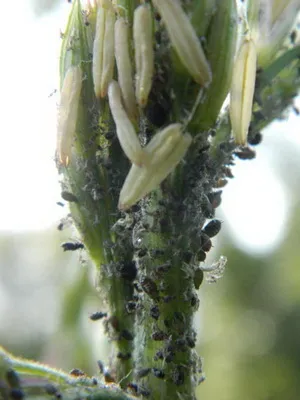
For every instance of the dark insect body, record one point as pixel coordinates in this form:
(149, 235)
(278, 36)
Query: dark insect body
(69, 246)
(69, 197)
(212, 228)
(76, 372)
(97, 315)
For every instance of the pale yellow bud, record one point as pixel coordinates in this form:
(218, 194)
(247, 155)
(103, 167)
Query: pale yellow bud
(242, 90)
(124, 67)
(67, 113)
(144, 54)
(103, 49)
(163, 143)
(141, 181)
(184, 40)
(127, 136)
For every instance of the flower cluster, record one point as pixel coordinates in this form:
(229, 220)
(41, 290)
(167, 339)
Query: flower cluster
(128, 96)
(130, 48)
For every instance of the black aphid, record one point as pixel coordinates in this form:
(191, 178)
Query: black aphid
(98, 315)
(76, 372)
(69, 197)
(159, 335)
(72, 246)
(205, 242)
(124, 356)
(125, 334)
(149, 287)
(154, 312)
(143, 372)
(159, 373)
(212, 228)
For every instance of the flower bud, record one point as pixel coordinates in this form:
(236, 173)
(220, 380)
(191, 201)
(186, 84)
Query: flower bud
(124, 67)
(67, 113)
(103, 49)
(163, 143)
(127, 136)
(141, 181)
(144, 54)
(242, 90)
(184, 39)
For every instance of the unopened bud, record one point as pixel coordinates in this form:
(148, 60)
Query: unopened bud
(103, 49)
(184, 39)
(242, 90)
(144, 54)
(163, 143)
(67, 113)
(124, 67)
(127, 136)
(141, 181)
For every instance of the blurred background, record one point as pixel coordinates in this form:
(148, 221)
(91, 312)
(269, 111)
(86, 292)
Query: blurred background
(248, 322)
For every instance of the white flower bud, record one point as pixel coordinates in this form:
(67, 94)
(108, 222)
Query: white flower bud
(242, 90)
(127, 136)
(144, 54)
(141, 181)
(124, 67)
(67, 113)
(184, 39)
(103, 49)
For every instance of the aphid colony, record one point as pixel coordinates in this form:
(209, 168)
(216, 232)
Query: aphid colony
(127, 96)
(266, 25)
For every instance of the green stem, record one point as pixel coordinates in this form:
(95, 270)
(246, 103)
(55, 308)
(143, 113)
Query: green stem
(36, 381)
(93, 184)
(165, 336)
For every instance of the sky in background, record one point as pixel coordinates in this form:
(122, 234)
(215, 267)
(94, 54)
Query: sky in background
(30, 183)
